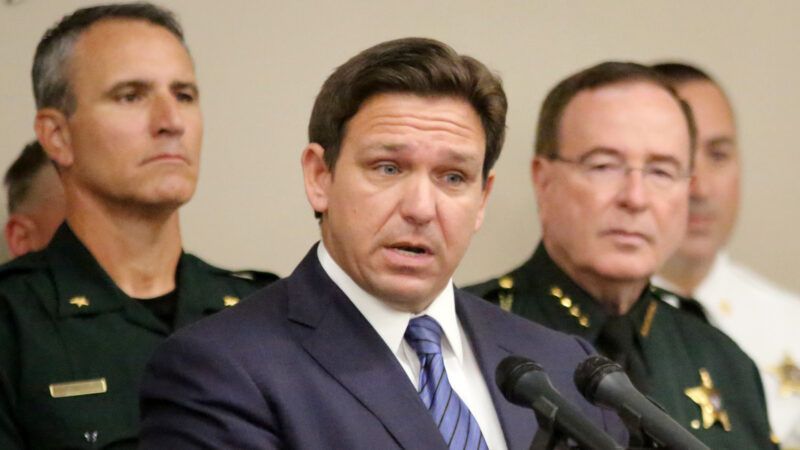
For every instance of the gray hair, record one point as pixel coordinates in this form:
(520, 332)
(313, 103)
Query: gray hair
(50, 75)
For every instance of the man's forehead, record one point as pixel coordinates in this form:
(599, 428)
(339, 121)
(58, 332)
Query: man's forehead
(625, 113)
(634, 91)
(706, 99)
(390, 112)
(110, 37)
(113, 48)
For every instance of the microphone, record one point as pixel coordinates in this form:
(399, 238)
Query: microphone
(524, 383)
(604, 383)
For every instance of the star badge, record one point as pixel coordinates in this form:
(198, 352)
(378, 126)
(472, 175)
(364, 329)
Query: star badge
(230, 300)
(710, 403)
(79, 301)
(788, 375)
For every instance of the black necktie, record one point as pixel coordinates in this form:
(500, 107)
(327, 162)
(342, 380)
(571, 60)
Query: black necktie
(617, 340)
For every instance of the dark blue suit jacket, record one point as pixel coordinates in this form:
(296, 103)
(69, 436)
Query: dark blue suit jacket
(296, 365)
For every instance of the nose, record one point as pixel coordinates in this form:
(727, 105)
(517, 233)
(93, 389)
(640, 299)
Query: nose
(166, 116)
(633, 193)
(699, 187)
(418, 204)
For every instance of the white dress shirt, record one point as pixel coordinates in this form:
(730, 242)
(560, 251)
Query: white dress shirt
(765, 321)
(459, 360)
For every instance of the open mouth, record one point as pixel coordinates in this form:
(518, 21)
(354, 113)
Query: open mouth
(411, 249)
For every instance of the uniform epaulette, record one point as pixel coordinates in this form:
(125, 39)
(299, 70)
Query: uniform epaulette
(686, 304)
(499, 291)
(256, 276)
(23, 264)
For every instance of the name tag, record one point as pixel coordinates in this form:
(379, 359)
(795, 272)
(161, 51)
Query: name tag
(76, 388)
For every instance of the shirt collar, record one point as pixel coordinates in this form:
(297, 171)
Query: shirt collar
(389, 323)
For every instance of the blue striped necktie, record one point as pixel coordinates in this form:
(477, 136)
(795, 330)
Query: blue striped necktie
(457, 425)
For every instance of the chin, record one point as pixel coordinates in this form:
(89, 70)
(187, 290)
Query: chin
(626, 269)
(407, 295)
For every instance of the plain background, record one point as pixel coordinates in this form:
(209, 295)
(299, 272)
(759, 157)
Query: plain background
(261, 63)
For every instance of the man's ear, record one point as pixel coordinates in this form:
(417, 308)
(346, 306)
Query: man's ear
(487, 190)
(53, 133)
(20, 231)
(540, 174)
(542, 177)
(316, 176)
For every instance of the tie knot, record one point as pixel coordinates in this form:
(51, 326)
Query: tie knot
(424, 335)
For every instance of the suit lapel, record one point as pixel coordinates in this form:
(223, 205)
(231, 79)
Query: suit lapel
(340, 339)
(491, 344)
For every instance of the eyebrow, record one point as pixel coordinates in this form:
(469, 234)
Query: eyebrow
(144, 84)
(182, 85)
(651, 158)
(135, 84)
(721, 140)
(600, 151)
(451, 154)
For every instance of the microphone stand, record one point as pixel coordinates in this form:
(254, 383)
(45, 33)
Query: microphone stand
(547, 436)
(638, 436)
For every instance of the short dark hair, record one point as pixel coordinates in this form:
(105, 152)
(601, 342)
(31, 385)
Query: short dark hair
(419, 66)
(19, 176)
(50, 72)
(678, 72)
(600, 75)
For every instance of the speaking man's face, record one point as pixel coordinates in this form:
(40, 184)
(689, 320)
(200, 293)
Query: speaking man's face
(614, 205)
(405, 196)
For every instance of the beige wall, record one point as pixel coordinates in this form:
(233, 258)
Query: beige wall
(261, 62)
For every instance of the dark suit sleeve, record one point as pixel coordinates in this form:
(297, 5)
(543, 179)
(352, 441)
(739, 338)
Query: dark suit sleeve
(195, 397)
(612, 424)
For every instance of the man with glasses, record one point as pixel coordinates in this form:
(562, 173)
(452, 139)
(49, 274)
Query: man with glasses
(611, 171)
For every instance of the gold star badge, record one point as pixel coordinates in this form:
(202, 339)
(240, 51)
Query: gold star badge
(230, 300)
(788, 375)
(709, 401)
(79, 301)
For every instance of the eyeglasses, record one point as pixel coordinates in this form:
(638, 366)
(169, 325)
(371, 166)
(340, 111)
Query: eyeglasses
(609, 171)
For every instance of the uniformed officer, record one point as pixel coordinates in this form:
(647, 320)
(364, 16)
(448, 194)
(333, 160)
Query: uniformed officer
(118, 113)
(611, 173)
(758, 315)
(35, 201)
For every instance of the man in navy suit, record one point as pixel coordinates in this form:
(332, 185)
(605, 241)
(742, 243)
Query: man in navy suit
(368, 344)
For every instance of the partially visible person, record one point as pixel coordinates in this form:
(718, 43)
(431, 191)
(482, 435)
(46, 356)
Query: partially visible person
(119, 114)
(368, 345)
(760, 316)
(35, 201)
(611, 171)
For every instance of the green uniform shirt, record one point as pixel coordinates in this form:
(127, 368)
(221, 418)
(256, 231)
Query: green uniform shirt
(63, 320)
(676, 347)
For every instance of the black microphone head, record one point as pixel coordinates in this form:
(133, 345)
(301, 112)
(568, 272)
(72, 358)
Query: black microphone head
(508, 373)
(591, 372)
